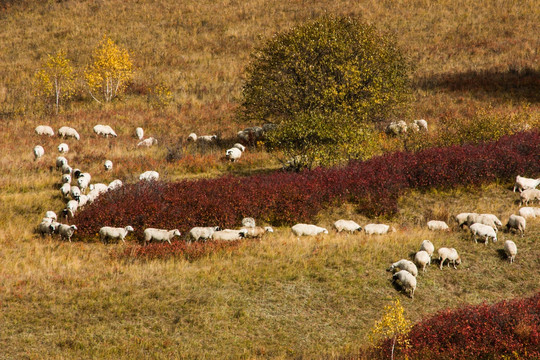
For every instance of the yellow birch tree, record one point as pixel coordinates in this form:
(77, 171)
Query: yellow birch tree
(393, 325)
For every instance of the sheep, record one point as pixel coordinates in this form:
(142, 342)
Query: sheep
(483, 231)
(44, 130)
(485, 219)
(84, 181)
(38, 152)
(108, 232)
(347, 225)
(83, 200)
(65, 189)
(240, 147)
(494, 218)
(529, 195)
(449, 254)
(461, 219)
(251, 134)
(66, 231)
(257, 231)
(421, 124)
(428, 247)
(99, 187)
(66, 131)
(396, 128)
(378, 229)
(139, 133)
(406, 265)
(523, 183)
(518, 223)
(61, 161)
(77, 173)
(510, 249)
(529, 212)
(51, 215)
(204, 233)
(207, 138)
(192, 137)
(63, 148)
(147, 142)
(66, 179)
(436, 225)
(115, 184)
(248, 222)
(308, 229)
(233, 154)
(406, 280)
(104, 130)
(71, 208)
(151, 234)
(108, 165)
(93, 195)
(422, 258)
(149, 176)
(229, 235)
(66, 169)
(47, 227)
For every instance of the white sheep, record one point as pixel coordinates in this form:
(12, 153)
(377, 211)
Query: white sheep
(347, 225)
(147, 142)
(378, 229)
(38, 152)
(71, 208)
(139, 133)
(257, 231)
(510, 249)
(109, 232)
(518, 223)
(108, 165)
(483, 231)
(63, 148)
(406, 280)
(66, 131)
(529, 195)
(151, 234)
(461, 219)
(406, 265)
(422, 258)
(397, 127)
(104, 130)
(529, 212)
(449, 254)
(65, 189)
(115, 184)
(203, 233)
(523, 183)
(192, 137)
(61, 161)
(99, 187)
(229, 235)
(240, 147)
(66, 169)
(485, 219)
(66, 231)
(207, 138)
(421, 124)
(248, 222)
(436, 225)
(47, 227)
(83, 200)
(149, 176)
(44, 130)
(308, 230)
(93, 195)
(51, 215)
(428, 247)
(233, 154)
(83, 181)
(66, 179)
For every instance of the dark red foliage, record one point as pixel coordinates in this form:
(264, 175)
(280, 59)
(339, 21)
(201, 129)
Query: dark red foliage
(286, 198)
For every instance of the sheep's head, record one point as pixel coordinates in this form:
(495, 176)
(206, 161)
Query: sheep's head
(325, 231)
(176, 232)
(129, 228)
(73, 227)
(268, 229)
(242, 233)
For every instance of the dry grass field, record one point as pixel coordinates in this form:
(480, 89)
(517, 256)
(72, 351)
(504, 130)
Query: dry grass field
(280, 297)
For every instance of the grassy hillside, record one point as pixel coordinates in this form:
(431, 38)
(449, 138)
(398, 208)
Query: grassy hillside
(279, 297)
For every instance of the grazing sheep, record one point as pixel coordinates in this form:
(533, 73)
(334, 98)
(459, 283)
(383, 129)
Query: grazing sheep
(428, 247)
(149, 176)
(61, 161)
(139, 133)
(151, 234)
(66, 169)
(494, 218)
(207, 138)
(63, 148)
(93, 195)
(66, 131)
(436, 225)
(75, 192)
(83, 200)
(204, 233)
(229, 235)
(510, 249)
(257, 231)
(66, 231)
(461, 219)
(240, 147)
(65, 190)
(148, 142)
(449, 254)
(51, 215)
(66, 179)
(108, 232)
(38, 152)
(518, 223)
(406, 265)
(406, 280)
(99, 187)
(485, 219)
(108, 165)
(529, 195)
(523, 183)
(248, 222)
(422, 258)
(192, 137)
(421, 124)
(347, 225)
(529, 212)
(83, 181)
(115, 184)
(377, 229)
(44, 130)
(233, 154)
(47, 227)
(483, 231)
(71, 208)
(308, 230)
(104, 130)
(396, 128)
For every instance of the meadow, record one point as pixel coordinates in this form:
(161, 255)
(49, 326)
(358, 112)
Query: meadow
(279, 297)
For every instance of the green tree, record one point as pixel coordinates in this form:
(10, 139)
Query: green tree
(55, 80)
(329, 66)
(110, 71)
